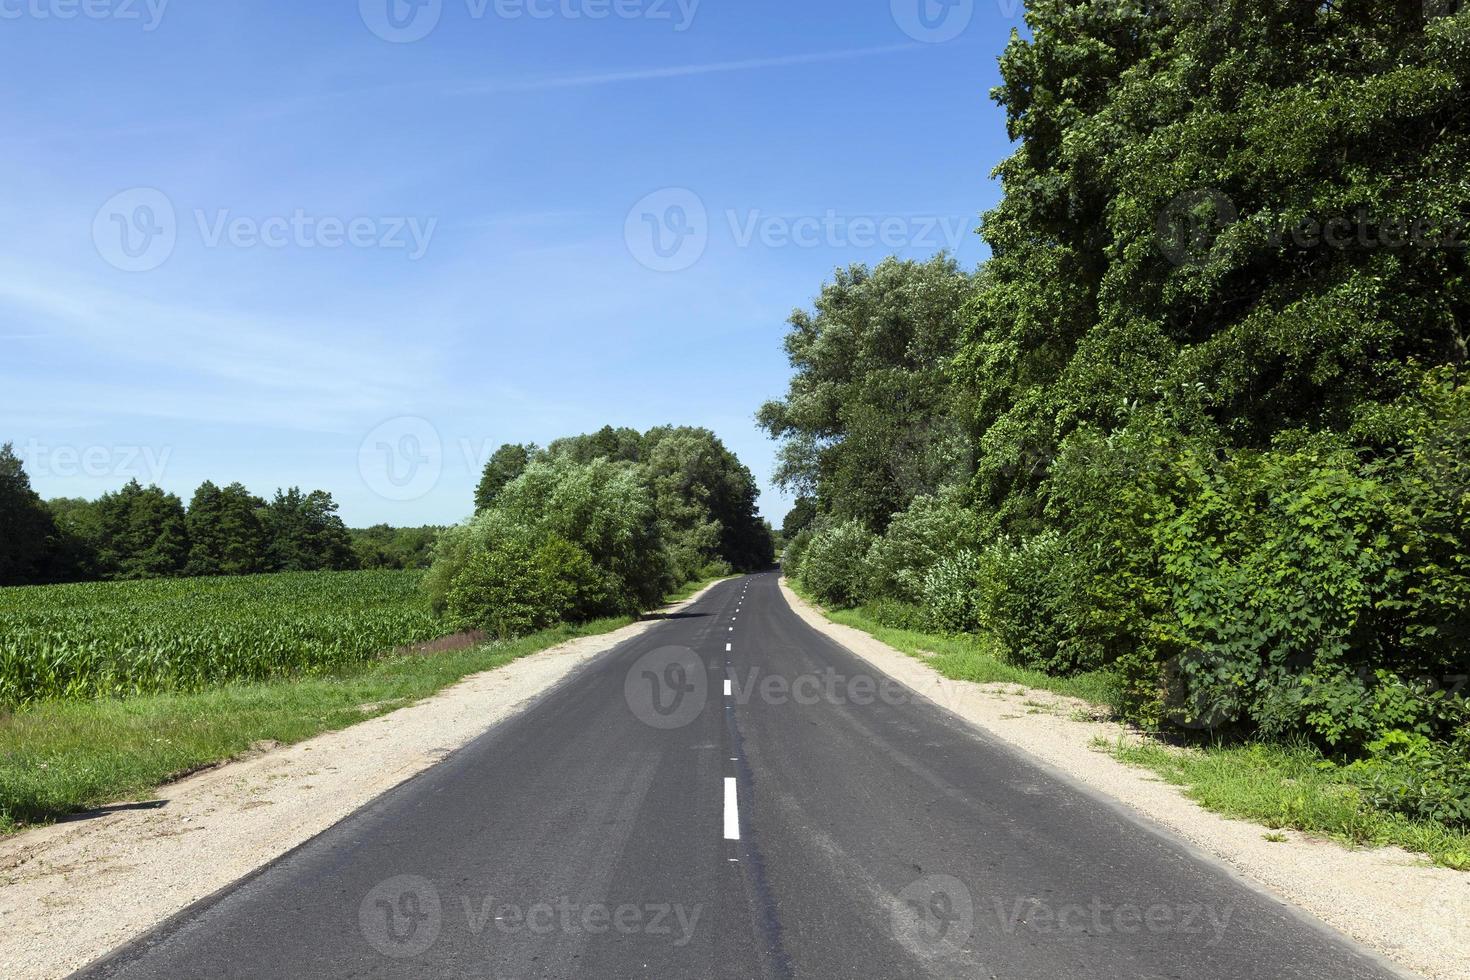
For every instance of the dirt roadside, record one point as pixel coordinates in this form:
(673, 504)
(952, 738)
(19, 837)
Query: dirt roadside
(73, 891)
(1415, 915)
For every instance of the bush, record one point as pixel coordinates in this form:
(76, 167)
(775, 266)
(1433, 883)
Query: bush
(951, 594)
(934, 527)
(512, 589)
(897, 614)
(1028, 596)
(791, 557)
(1410, 774)
(834, 566)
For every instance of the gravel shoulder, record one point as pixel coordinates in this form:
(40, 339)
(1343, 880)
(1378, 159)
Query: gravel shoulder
(1416, 915)
(73, 891)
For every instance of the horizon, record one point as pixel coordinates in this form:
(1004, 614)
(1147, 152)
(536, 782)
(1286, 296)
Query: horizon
(385, 277)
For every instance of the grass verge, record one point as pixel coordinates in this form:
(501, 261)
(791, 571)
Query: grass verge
(1292, 786)
(1278, 786)
(62, 757)
(970, 658)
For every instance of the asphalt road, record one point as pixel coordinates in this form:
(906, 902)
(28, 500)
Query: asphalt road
(814, 821)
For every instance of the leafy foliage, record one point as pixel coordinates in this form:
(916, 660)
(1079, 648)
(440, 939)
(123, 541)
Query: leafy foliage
(597, 525)
(1201, 418)
(27, 528)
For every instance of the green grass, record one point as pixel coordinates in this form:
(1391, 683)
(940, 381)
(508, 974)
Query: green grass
(680, 594)
(1279, 786)
(971, 658)
(62, 757)
(1292, 786)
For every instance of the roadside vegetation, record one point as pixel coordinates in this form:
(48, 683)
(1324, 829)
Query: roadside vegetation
(120, 639)
(1173, 432)
(62, 757)
(598, 525)
(108, 688)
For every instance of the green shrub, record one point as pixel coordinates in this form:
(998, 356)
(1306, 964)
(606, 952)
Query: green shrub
(897, 614)
(513, 589)
(934, 527)
(1410, 774)
(951, 593)
(1027, 598)
(834, 566)
(791, 557)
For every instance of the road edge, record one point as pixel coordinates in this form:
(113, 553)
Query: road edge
(1414, 911)
(73, 895)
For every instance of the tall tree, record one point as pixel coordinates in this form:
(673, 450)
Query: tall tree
(226, 532)
(871, 419)
(507, 463)
(306, 535)
(27, 531)
(144, 533)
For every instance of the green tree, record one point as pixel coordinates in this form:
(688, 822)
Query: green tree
(871, 419)
(707, 500)
(305, 533)
(27, 530)
(143, 533)
(381, 546)
(227, 535)
(507, 463)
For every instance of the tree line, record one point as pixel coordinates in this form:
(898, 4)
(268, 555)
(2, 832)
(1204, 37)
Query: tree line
(604, 524)
(140, 532)
(1152, 434)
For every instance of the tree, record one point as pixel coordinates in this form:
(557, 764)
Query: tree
(871, 419)
(77, 555)
(507, 463)
(800, 517)
(143, 533)
(27, 530)
(305, 533)
(381, 546)
(707, 500)
(226, 533)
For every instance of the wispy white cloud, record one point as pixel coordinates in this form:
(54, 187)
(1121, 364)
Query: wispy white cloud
(496, 86)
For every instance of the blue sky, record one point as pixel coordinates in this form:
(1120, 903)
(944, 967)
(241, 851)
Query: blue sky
(311, 244)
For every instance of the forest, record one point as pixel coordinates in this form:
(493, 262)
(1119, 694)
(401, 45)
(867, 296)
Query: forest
(1201, 420)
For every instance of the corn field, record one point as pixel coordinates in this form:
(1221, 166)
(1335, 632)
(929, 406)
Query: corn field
(115, 639)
